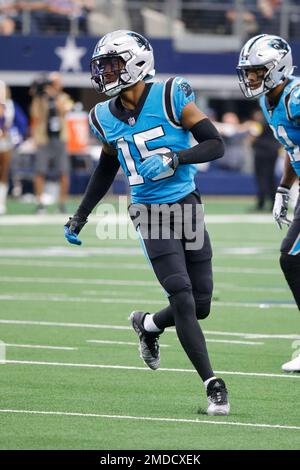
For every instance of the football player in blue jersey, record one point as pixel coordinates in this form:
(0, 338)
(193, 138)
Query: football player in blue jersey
(145, 128)
(265, 71)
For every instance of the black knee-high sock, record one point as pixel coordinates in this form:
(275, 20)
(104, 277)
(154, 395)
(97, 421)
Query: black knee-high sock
(165, 318)
(290, 266)
(189, 332)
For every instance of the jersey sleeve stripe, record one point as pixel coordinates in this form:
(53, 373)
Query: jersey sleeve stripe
(287, 102)
(168, 101)
(96, 123)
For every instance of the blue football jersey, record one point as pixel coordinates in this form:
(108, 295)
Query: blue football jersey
(153, 127)
(284, 120)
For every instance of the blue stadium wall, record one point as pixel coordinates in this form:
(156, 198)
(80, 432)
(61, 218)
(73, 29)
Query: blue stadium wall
(32, 53)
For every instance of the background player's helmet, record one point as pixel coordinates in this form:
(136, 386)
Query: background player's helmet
(121, 59)
(271, 53)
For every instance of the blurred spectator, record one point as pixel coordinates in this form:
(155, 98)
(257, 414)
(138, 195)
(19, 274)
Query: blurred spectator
(56, 16)
(48, 16)
(6, 142)
(59, 14)
(247, 17)
(136, 17)
(294, 18)
(269, 16)
(18, 133)
(36, 10)
(265, 152)
(209, 16)
(67, 15)
(49, 108)
(8, 13)
(85, 8)
(219, 17)
(235, 136)
(19, 126)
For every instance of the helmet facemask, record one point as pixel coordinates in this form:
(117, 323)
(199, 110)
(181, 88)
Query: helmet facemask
(108, 74)
(267, 83)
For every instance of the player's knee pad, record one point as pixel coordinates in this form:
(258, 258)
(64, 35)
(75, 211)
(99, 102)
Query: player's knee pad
(202, 309)
(183, 303)
(290, 264)
(176, 283)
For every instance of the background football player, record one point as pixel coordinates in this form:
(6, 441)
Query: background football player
(7, 112)
(145, 128)
(265, 71)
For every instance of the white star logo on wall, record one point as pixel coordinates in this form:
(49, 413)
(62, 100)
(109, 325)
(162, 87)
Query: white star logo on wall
(70, 55)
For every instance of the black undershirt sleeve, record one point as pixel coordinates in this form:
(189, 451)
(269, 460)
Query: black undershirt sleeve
(210, 146)
(99, 184)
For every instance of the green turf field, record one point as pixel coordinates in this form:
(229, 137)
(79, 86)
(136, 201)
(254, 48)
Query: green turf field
(73, 378)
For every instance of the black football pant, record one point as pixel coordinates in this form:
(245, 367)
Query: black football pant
(186, 276)
(290, 255)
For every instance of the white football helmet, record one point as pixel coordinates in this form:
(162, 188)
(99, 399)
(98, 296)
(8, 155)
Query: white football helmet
(269, 53)
(121, 59)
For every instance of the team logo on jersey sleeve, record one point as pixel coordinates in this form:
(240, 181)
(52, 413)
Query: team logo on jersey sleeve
(186, 88)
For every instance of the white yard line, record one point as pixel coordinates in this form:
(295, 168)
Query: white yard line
(80, 281)
(117, 282)
(146, 369)
(92, 265)
(257, 253)
(248, 343)
(261, 305)
(45, 297)
(72, 264)
(256, 271)
(123, 219)
(66, 325)
(46, 247)
(43, 239)
(52, 219)
(152, 418)
(225, 286)
(70, 253)
(40, 346)
(129, 328)
(227, 341)
(253, 335)
(125, 343)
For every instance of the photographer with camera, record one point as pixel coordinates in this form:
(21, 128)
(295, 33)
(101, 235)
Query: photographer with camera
(49, 107)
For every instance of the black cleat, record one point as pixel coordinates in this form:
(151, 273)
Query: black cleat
(148, 347)
(218, 404)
